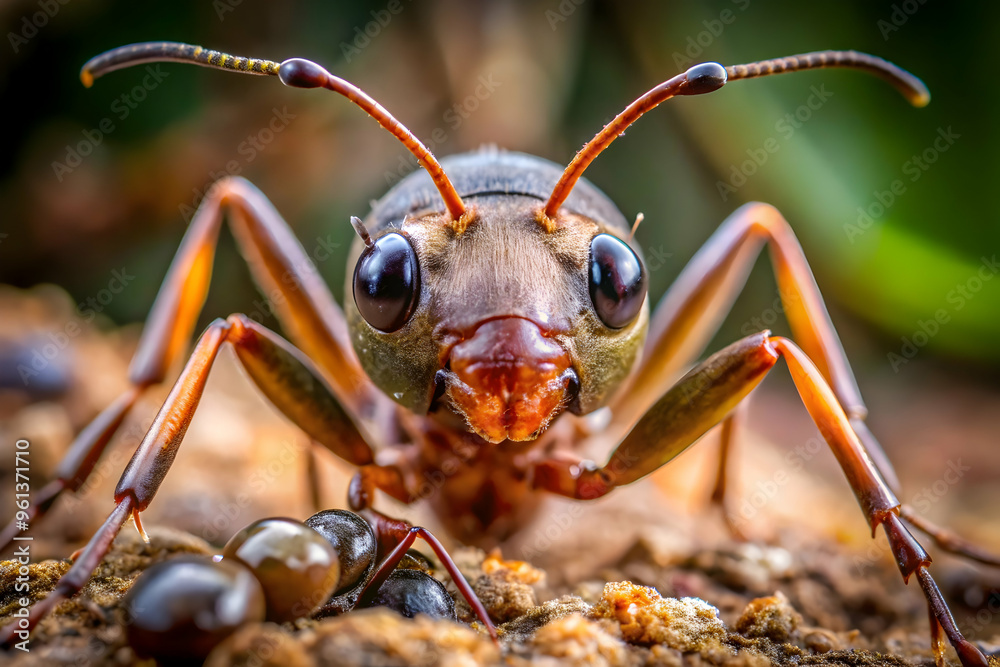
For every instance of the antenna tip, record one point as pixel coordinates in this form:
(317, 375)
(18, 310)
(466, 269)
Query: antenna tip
(86, 78)
(302, 73)
(920, 96)
(704, 78)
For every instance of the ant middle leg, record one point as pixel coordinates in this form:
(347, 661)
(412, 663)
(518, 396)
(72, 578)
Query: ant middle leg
(706, 396)
(284, 375)
(693, 308)
(281, 268)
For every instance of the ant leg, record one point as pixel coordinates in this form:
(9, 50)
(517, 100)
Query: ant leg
(731, 427)
(937, 638)
(947, 540)
(704, 397)
(281, 268)
(693, 308)
(697, 402)
(78, 462)
(392, 560)
(75, 578)
(910, 555)
(395, 536)
(282, 373)
(313, 479)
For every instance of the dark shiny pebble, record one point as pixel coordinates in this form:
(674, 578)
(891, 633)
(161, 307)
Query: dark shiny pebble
(353, 539)
(296, 566)
(411, 592)
(180, 609)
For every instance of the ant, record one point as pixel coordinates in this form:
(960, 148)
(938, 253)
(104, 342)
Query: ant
(493, 293)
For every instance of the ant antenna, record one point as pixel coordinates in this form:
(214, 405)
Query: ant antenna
(639, 217)
(709, 77)
(296, 73)
(362, 231)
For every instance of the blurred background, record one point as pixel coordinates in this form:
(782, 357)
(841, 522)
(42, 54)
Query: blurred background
(892, 204)
(80, 202)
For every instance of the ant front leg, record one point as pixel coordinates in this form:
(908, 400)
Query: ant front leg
(282, 373)
(284, 272)
(692, 310)
(730, 431)
(706, 396)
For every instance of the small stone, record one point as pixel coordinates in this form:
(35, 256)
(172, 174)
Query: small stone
(259, 645)
(504, 600)
(772, 617)
(522, 628)
(818, 640)
(646, 618)
(517, 571)
(382, 637)
(575, 640)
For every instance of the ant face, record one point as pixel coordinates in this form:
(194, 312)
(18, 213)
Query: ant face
(508, 322)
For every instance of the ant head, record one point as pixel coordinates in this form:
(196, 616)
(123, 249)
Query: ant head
(505, 324)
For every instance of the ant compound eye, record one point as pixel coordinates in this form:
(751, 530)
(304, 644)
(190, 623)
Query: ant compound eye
(617, 281)
(387, 282)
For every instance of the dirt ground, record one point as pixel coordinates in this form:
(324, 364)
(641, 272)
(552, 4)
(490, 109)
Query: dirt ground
(646, 576)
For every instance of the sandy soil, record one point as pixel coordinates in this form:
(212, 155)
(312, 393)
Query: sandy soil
(811, 587)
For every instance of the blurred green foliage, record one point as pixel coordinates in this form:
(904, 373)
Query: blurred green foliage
(889, 258)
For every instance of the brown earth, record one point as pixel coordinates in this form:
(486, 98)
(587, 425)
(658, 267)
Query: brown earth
(810, 588)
